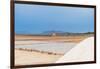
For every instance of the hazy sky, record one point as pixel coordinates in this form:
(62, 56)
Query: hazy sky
(34, 19)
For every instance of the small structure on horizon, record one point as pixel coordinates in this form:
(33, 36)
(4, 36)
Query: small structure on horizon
(53, 34)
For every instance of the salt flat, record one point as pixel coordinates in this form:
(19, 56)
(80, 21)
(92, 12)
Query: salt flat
(43, 49)
(48, 46)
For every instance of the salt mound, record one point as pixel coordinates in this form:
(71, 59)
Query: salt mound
(84, 51)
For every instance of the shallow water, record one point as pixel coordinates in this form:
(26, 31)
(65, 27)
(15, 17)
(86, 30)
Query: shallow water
(55, 47)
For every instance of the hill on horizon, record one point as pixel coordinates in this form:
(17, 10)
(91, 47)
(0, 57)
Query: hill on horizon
(58, 33)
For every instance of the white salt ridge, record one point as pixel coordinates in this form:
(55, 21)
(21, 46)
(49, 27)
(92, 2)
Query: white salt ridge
(84, 51)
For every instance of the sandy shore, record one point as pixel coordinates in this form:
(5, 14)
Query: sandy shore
(26, 57)
(51, 38)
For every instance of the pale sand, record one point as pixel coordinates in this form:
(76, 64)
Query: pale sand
(50, 38)
(27, 58)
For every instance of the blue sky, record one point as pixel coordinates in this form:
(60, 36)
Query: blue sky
(34, 19)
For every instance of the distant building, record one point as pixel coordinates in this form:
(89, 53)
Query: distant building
(53, 34)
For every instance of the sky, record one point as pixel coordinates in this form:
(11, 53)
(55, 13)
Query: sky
(36, 19)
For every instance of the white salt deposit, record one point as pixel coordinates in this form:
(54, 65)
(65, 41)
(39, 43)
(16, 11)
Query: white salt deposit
(84, 51)
(54, 47)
